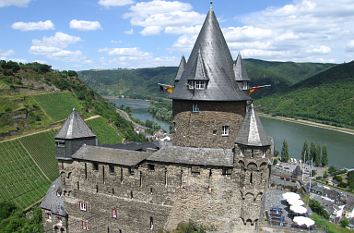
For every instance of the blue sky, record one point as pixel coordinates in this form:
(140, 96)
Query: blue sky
(100, 34)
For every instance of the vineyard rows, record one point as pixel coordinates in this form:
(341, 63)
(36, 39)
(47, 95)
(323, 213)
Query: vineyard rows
(106, 133)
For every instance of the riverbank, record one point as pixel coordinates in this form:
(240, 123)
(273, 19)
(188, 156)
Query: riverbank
(309, 123)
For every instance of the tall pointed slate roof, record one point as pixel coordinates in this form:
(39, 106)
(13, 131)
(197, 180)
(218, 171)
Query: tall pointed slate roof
(74, 127)
(251, 132)
(54, 200)
(180, 71)
(240, 70)
(212, 48)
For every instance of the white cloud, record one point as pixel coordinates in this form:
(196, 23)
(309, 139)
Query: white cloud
(84, 25)
(129, 32)
(350, 46)
(163, 16)
(133, 57)
(4, 54)
(18, 3)
(114, 3)
(33, 26)
(54, 47)
(323, 49)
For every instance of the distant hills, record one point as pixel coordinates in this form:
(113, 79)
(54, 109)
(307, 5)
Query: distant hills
(142, 83)
(327, 97)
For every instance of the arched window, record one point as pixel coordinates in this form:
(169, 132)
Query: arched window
(151, 223)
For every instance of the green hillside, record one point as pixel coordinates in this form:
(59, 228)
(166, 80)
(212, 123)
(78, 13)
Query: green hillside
(21, 179)
(327, 97)
(142, 83)
(106, 133)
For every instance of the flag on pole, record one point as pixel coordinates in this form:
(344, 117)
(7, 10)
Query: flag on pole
(253, 89)
(166, 88)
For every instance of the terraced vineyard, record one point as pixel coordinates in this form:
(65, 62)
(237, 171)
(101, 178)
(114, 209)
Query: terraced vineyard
(3, 86)
(21, 179)
(106, 133)
(42, 149)
(58, 105)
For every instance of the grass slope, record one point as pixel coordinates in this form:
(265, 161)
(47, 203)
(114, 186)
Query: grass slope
(58, 105)
(327, 97)
(106, 133)
(328, 226)
(142, 83)
(21, 180)
(42, 149)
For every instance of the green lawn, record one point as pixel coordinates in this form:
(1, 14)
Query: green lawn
(328, 226)
(42, 149)
(21, 180)
(105, 132)
(58, 105)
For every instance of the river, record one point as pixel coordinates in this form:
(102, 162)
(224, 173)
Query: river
(340, 146)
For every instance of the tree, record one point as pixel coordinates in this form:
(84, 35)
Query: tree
(324, 157)
(284, 155)
(344, 222)
(317, 159)
(351, 180)
(312, 151)
(305, 152)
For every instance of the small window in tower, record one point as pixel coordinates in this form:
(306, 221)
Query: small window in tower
(114, 213)
(195, 108)
(95, 166)
(48, 216)
(83, 206)
(214, 132)
(111, 168)
(225, 130)
(226, 171)
(199, 85)
(151, 223)
(151, 167)
(84, 225)
(131, 171)
(60, 143)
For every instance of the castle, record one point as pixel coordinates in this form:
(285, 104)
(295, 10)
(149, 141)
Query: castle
(214, 172)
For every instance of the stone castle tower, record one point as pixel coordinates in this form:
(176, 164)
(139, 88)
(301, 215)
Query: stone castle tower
(215, 172)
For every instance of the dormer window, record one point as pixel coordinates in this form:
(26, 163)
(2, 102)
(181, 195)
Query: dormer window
(244, 85)
(60, 143)
(199, 85)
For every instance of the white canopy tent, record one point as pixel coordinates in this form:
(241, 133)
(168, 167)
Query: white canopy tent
(291, 196)
(295, 202)
(297, 209)
(303, 221)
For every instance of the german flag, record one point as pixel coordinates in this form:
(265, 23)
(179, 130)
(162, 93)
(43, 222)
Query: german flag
(166, 88)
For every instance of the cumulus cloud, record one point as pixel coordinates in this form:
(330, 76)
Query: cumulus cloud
(33, 26)
(114, 3)
(55, 47)
(4, 54)
(133, 57)
(350, 46)
(17, 3)
(84, 25)
(163, 16)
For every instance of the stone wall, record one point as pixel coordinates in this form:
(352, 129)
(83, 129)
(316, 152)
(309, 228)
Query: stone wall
(204, 128)
(53, 223)
(158, 196)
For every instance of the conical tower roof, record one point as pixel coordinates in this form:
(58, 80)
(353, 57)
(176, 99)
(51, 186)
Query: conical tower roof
(212, 48)
(251, 132)
(240, 70)
(74, 127)
(181, 67)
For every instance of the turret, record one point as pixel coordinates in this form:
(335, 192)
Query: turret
(241, 75)
(72, 135)
(180, 71)
(208, 105)
(252, 157)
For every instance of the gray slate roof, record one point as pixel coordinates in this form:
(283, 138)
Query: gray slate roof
(109, 155)
(251, 132)
(193, 156)
(180, 71)
(240, 70)
(74, 127)
(54, 202)
(218, 64)
(198, 72)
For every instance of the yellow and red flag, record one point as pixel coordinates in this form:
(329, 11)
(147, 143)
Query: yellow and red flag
(253, 89)
(166, 88)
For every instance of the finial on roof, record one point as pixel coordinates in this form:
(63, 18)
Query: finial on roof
(211, 4)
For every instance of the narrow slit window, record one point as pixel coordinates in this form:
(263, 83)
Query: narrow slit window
(151, 223)
(84, 225)
(95, 166)
(103, 175)
(111, 168)
(165, 176)
(78, 185)
(140, 179)
(151, 167)
(251, 178)
(114, 213)
(195, 108)
(85, 171)
(121, 175)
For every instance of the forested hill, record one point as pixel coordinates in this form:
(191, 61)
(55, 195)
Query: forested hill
(142, 83)
(327, 97)
(35, 97)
